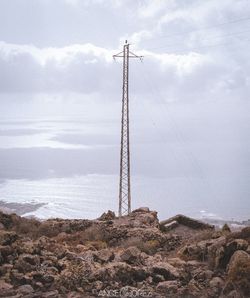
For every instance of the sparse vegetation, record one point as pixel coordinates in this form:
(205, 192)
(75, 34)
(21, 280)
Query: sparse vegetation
(73, 256)
(150, 246)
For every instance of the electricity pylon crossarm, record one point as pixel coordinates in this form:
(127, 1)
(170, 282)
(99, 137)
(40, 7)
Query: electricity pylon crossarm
(124, 186)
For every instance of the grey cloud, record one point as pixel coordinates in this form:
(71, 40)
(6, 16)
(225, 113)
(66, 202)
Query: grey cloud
(189, 99)
(56, 23)
(174, 77)
(21, 132)
(21, 72)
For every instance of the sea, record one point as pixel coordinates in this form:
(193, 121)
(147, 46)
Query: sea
(72, 168)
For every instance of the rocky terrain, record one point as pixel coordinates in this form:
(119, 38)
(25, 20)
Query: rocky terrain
(132, 256)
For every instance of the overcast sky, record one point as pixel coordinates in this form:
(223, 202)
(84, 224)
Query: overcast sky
(189, 97)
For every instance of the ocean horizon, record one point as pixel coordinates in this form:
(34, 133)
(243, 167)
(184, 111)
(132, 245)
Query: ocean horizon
(70, 168)
(87, 197)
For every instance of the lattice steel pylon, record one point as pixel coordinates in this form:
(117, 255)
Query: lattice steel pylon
(124, 186)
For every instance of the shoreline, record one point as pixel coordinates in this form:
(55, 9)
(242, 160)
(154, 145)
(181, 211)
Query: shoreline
(24, 208)
(19, 208)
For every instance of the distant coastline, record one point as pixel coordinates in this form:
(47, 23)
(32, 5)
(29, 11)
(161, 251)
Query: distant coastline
(24, 208)
(19, 208)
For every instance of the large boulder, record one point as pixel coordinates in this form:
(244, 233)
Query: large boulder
(168, 271)
(220, 252)
(120, 272)
(216, 252)
(239, 258)
(27, 263)
(188, 222)
(236, 244)
(238, 271)
(141, 217)
(110, 215)
(197, 251)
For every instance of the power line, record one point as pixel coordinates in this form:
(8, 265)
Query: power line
(195, 48)
(202, 40)
(178, 135)
(201, 29)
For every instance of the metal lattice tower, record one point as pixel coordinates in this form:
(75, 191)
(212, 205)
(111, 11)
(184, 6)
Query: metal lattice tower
(124, 187)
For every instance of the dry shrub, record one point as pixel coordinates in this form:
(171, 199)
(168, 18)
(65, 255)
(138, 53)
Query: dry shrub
(74, 277)
(97, 244)
(133, 241)
(25, 226)
(203, 235)
(240, 277)
(93, 233)
(150, 247)
(7, 219)
(47, 229)
(71, 239)
(226, 229)
(21, 225)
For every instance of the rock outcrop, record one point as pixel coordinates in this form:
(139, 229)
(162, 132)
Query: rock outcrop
(131, 256)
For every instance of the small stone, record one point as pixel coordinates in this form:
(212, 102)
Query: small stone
(6, 250)
(31, 259)
(234, 294)
(25, 289)
(194, 288)
(216, 282)
(193, 264)
(38, 285)
(248, 249)
(203, 275)
(98, 285)
(6, 289)
(48, 278)
(104, 256)
(130, 255)
(176, 262)
(74, 295)
(168, 287)
(5, 269)
(50, 294)
(5, 286)
(141, 209)
(158, 278)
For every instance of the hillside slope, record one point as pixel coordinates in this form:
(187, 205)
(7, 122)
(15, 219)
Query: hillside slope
(130, 256)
